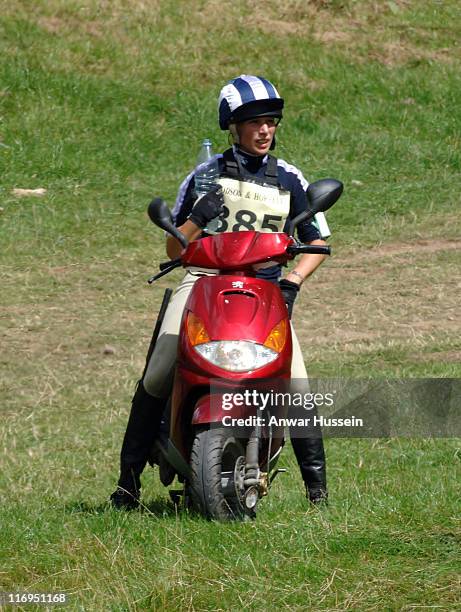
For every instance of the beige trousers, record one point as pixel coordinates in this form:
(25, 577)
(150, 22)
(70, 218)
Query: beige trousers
(158, 379)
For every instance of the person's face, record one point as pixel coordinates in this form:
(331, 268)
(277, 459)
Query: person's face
(256, 135)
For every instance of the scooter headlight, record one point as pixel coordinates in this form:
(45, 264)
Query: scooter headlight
(236, 355)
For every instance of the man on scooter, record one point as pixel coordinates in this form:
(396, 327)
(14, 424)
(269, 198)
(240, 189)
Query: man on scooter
(251, 109)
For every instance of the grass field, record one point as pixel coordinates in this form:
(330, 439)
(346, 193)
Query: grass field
(103, 105)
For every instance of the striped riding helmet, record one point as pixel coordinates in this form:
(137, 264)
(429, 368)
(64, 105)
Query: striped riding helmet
(247, 97)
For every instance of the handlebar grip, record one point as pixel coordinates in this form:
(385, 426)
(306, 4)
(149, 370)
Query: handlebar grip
(175, 263)
(316, 249)
(166, 264)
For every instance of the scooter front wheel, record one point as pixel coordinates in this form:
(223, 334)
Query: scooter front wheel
(218, 468)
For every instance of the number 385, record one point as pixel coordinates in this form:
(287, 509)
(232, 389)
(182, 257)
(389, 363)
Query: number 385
(245, 220)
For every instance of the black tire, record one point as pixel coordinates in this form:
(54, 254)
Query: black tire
(214, 452)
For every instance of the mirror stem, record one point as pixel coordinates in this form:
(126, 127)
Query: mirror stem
(306, 214)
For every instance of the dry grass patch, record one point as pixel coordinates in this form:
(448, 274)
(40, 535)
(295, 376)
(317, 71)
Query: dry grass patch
(392, 294)
(377, 31)
(395, 53)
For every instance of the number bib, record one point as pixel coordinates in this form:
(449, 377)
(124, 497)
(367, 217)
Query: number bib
(251, 206)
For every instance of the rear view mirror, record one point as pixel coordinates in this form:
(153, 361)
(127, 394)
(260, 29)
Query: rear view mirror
(160, 215)
(323, 194)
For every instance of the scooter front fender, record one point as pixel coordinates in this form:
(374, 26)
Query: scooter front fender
(210, 409)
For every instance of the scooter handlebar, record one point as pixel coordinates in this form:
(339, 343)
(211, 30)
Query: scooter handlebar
(293, 250)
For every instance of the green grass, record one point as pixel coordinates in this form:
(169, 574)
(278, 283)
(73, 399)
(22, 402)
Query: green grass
(384, 542)
(104, 105)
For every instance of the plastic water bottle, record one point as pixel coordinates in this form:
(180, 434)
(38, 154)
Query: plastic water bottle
(207, 178)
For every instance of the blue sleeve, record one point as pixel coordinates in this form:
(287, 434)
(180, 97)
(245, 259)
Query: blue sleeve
(293, 180)
(307, 232)
(186, 197)
(184, 200)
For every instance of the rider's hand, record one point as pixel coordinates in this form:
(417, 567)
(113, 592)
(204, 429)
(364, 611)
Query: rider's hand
(207, 207)
(290, 292)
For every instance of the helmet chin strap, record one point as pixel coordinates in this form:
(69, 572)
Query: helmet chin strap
(233, 134)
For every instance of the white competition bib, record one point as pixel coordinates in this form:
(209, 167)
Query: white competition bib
(250, 206)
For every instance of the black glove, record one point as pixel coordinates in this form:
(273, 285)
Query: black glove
(207, 207)
(289, 291)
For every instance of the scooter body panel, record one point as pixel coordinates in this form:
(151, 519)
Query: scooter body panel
(229, 250)
(232, 307)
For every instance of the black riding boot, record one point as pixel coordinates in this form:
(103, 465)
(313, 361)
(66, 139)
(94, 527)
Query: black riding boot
(142, 429)
(310, 455)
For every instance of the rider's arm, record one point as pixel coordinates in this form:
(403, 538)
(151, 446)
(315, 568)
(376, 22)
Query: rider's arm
(306, 264)
(307, 232)
(184, 202)
(190, 231)
(191, 215)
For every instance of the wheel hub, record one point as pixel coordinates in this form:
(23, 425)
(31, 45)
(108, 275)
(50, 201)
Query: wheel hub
(232, 483)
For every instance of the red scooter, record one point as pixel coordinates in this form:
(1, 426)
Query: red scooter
(235, 338)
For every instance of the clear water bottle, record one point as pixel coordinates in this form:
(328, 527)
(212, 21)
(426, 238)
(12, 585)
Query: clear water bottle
(207, 178)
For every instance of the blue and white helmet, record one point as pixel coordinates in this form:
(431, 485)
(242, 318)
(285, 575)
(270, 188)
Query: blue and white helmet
(246, 97)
